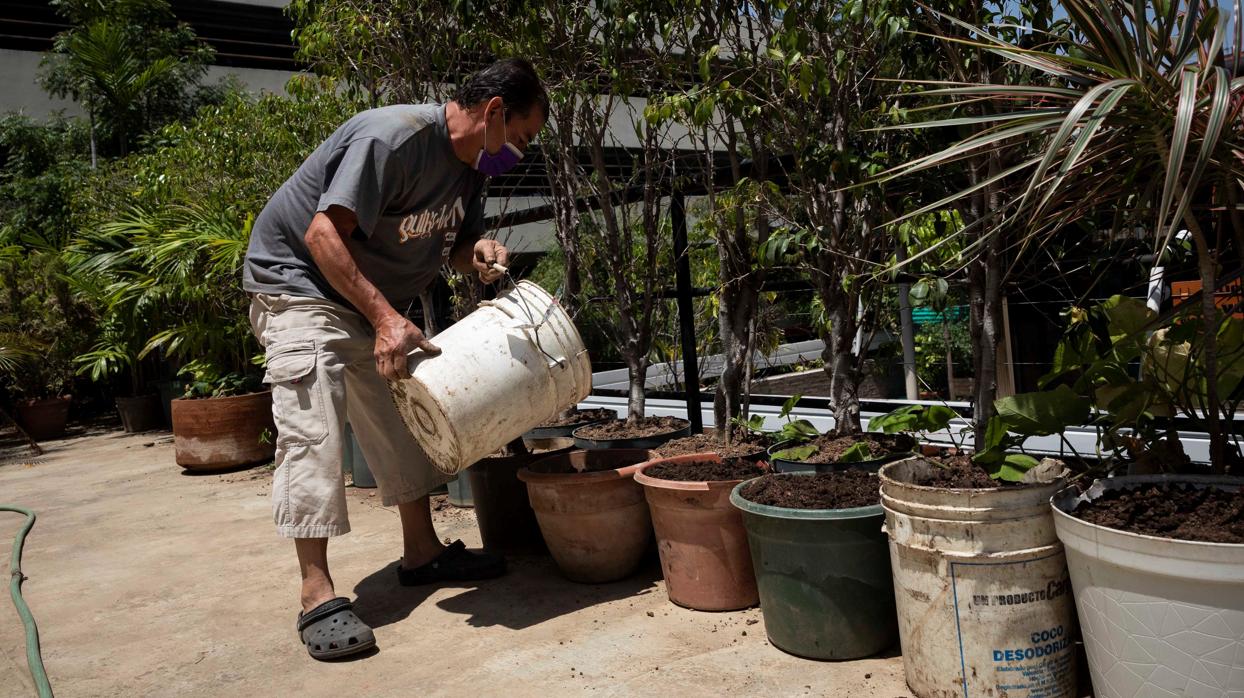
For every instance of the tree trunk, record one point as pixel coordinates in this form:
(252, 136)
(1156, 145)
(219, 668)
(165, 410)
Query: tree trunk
(637, 375)
(1206, 268)
(840, 363)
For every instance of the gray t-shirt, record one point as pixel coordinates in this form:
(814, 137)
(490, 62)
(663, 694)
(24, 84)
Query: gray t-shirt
(395, 168)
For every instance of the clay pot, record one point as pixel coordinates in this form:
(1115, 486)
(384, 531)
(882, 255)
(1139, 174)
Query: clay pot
(700, 535)
(506, 522)
(44, 419)
(223, 432)
(594, 519)
(142, 413)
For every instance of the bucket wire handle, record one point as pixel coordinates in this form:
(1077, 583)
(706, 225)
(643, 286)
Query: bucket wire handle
(534, 324)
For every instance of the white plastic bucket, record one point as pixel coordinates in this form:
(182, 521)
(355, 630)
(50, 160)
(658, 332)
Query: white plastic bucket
(981, 587)
(1159, 616)
(509, 366)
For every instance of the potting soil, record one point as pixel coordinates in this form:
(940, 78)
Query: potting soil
(845, 489)
(643, 427)
(743, 445)
(830, 448)
(705, 471)
(578, 416)
(1170, 510)
(960, 473)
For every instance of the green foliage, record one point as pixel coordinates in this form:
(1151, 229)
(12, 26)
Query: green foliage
(204, 380)
(857, 453)
(41, 166)
(793, 432)
(912, 419)
(170, 226)
(130, 64)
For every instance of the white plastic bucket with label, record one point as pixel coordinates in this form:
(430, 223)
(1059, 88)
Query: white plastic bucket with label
(511, 365)
(984, 601)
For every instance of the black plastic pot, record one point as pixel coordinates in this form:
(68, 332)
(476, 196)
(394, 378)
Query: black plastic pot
(783, 465)
(141, 413)
(648, 442)
(507, 524)
(561, 432)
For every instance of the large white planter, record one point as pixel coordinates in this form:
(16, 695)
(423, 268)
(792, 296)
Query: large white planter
(1159, 617)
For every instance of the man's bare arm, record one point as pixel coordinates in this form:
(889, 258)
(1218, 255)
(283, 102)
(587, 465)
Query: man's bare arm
(396, 336)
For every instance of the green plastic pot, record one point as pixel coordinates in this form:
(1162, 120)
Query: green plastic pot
(826, 591)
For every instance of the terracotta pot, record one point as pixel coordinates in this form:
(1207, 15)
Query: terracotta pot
(594, 520)
(44, 419)
(142, 413)
(223, 432)
(704, 553)
(506, 522)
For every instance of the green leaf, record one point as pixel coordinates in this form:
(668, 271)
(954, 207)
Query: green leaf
(856, 454)
(1043, 413)
(797, 453)
(1013, 467)
(1127, 317)
(789, 405)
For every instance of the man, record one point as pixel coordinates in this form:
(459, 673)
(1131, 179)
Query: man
(336, 260)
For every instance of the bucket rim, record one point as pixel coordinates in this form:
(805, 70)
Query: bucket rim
(686, 485)
(531, 477)
(790, 513)
(886, 479)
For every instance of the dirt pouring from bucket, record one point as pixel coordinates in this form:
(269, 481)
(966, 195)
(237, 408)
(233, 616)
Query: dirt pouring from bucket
(705, 471)
(846, 489)
(1170, 510)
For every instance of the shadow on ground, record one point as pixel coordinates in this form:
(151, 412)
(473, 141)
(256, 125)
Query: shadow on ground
(544, 594)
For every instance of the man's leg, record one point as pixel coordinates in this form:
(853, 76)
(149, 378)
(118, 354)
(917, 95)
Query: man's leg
(419, 542)
(317, 583)
(405, 476)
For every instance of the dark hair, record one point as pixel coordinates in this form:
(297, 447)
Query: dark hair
(514, 80)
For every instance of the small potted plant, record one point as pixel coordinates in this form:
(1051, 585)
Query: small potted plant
(118, 352)
(222, 420)
(800, 447)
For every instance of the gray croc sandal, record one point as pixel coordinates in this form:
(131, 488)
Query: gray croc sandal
(331, 630)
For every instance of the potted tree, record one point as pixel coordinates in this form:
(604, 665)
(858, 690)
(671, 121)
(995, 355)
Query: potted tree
(1148, 110)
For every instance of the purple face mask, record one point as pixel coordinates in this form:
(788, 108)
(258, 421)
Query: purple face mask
(500, 163)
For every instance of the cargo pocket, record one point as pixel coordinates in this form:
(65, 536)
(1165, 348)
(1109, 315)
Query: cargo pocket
(297, 395)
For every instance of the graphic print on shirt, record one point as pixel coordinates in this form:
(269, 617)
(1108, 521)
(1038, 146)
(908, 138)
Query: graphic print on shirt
(425, 224)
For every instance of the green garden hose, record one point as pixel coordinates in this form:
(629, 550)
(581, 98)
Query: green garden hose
(33, 659)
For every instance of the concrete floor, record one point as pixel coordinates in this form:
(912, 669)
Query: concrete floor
(149, 582)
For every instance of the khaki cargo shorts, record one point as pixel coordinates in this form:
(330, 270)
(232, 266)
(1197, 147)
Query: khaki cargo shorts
(322, 372)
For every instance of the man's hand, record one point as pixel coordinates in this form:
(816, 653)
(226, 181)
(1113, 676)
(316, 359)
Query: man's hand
(396, 337)
(488, 252)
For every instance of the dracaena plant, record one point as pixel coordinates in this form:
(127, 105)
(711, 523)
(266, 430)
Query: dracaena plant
(1132, 122)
